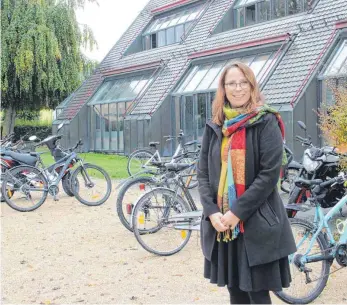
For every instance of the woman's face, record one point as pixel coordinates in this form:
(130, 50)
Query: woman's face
(237, 88)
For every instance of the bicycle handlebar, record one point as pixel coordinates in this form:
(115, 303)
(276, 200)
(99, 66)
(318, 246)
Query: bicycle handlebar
(338, 179)
(79, 143)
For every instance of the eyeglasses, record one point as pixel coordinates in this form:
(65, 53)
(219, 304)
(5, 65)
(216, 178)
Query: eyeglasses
(233, 85)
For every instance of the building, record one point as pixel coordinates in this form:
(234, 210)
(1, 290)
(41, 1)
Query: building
(161, 75)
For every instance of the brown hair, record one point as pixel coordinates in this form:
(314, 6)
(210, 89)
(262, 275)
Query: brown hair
(256, 97)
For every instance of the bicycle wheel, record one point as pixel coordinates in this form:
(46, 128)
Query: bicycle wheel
(129, 194)
(92, 185)
(1, 179)
(300, 291)
(24, 188)
(153, 225)
(138, 159)
(66, 183)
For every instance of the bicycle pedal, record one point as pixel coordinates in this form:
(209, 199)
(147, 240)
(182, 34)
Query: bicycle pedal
(307, 270)
(308, 279)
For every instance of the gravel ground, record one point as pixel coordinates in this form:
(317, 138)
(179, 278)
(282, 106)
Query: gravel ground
(66, 253)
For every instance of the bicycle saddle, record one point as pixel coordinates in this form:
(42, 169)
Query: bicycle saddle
(36, 154)
(176, 167)
(24, 158)
(153, 144)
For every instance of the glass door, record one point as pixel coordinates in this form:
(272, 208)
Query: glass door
(97, 117)
(113, 115)
(105, 127)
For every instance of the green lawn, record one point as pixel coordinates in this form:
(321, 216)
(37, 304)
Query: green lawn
(115, 165)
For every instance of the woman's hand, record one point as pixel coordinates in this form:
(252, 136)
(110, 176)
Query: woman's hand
(230, 220)
(216, 222)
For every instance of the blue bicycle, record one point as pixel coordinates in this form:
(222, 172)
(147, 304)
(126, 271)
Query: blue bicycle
(316, 246)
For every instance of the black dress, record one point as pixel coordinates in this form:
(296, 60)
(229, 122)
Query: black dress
(229, 267)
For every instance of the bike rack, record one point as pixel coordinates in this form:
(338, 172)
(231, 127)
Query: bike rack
(193, 220)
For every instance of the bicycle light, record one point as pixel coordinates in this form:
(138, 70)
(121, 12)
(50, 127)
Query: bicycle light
(129, 208)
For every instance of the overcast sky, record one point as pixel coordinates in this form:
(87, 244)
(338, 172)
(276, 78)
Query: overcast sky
(109, 21)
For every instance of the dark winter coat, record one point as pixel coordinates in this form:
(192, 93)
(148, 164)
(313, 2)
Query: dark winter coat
(268, 236)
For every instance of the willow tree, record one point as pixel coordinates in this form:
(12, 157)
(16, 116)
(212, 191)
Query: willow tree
(41, 58)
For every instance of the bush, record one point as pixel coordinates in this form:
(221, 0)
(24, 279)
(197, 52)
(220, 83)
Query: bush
(39, 131)
(333, 121)
(34, 118)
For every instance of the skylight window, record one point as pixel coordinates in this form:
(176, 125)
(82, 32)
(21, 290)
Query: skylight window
(205, 77)
(338, 64)
(120, 89)
(170, 29)
(249, 12)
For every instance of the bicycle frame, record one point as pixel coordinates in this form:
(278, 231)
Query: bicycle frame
(156, 154)
(321, 223)
(66, 161)
(176, 153)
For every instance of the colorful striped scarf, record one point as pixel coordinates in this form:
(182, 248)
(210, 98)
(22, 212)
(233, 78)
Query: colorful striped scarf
(232, 182)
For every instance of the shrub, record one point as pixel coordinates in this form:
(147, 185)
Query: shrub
(333, 121)
(39, 131)
(34, 118)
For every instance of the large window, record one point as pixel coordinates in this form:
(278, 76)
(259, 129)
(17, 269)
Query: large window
(248, 12)
(120, 89)
(108, 108)
(334, 76)
(197, 89)
(169, 29)
(205, 77)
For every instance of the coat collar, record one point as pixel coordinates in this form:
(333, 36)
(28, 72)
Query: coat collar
(217, 129)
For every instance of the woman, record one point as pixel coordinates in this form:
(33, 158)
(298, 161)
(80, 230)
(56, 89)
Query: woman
(245, 234)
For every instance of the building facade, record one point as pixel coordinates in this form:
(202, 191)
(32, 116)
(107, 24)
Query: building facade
(162, 74)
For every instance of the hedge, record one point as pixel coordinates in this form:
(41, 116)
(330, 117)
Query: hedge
(39, 131)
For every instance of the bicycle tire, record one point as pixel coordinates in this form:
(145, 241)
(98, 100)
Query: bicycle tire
(133, 155)
(15, 170)
(326, 269)
(76, 190)
(121, 194)
(140, 232)
(65, 182)
(1, 179)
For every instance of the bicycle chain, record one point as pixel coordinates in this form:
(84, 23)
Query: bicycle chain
(326, 275)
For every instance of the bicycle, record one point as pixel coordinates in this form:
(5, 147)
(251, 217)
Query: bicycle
(166, 213)
(143, 158)
(155, 176)
(322, 249)
(28, 181)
